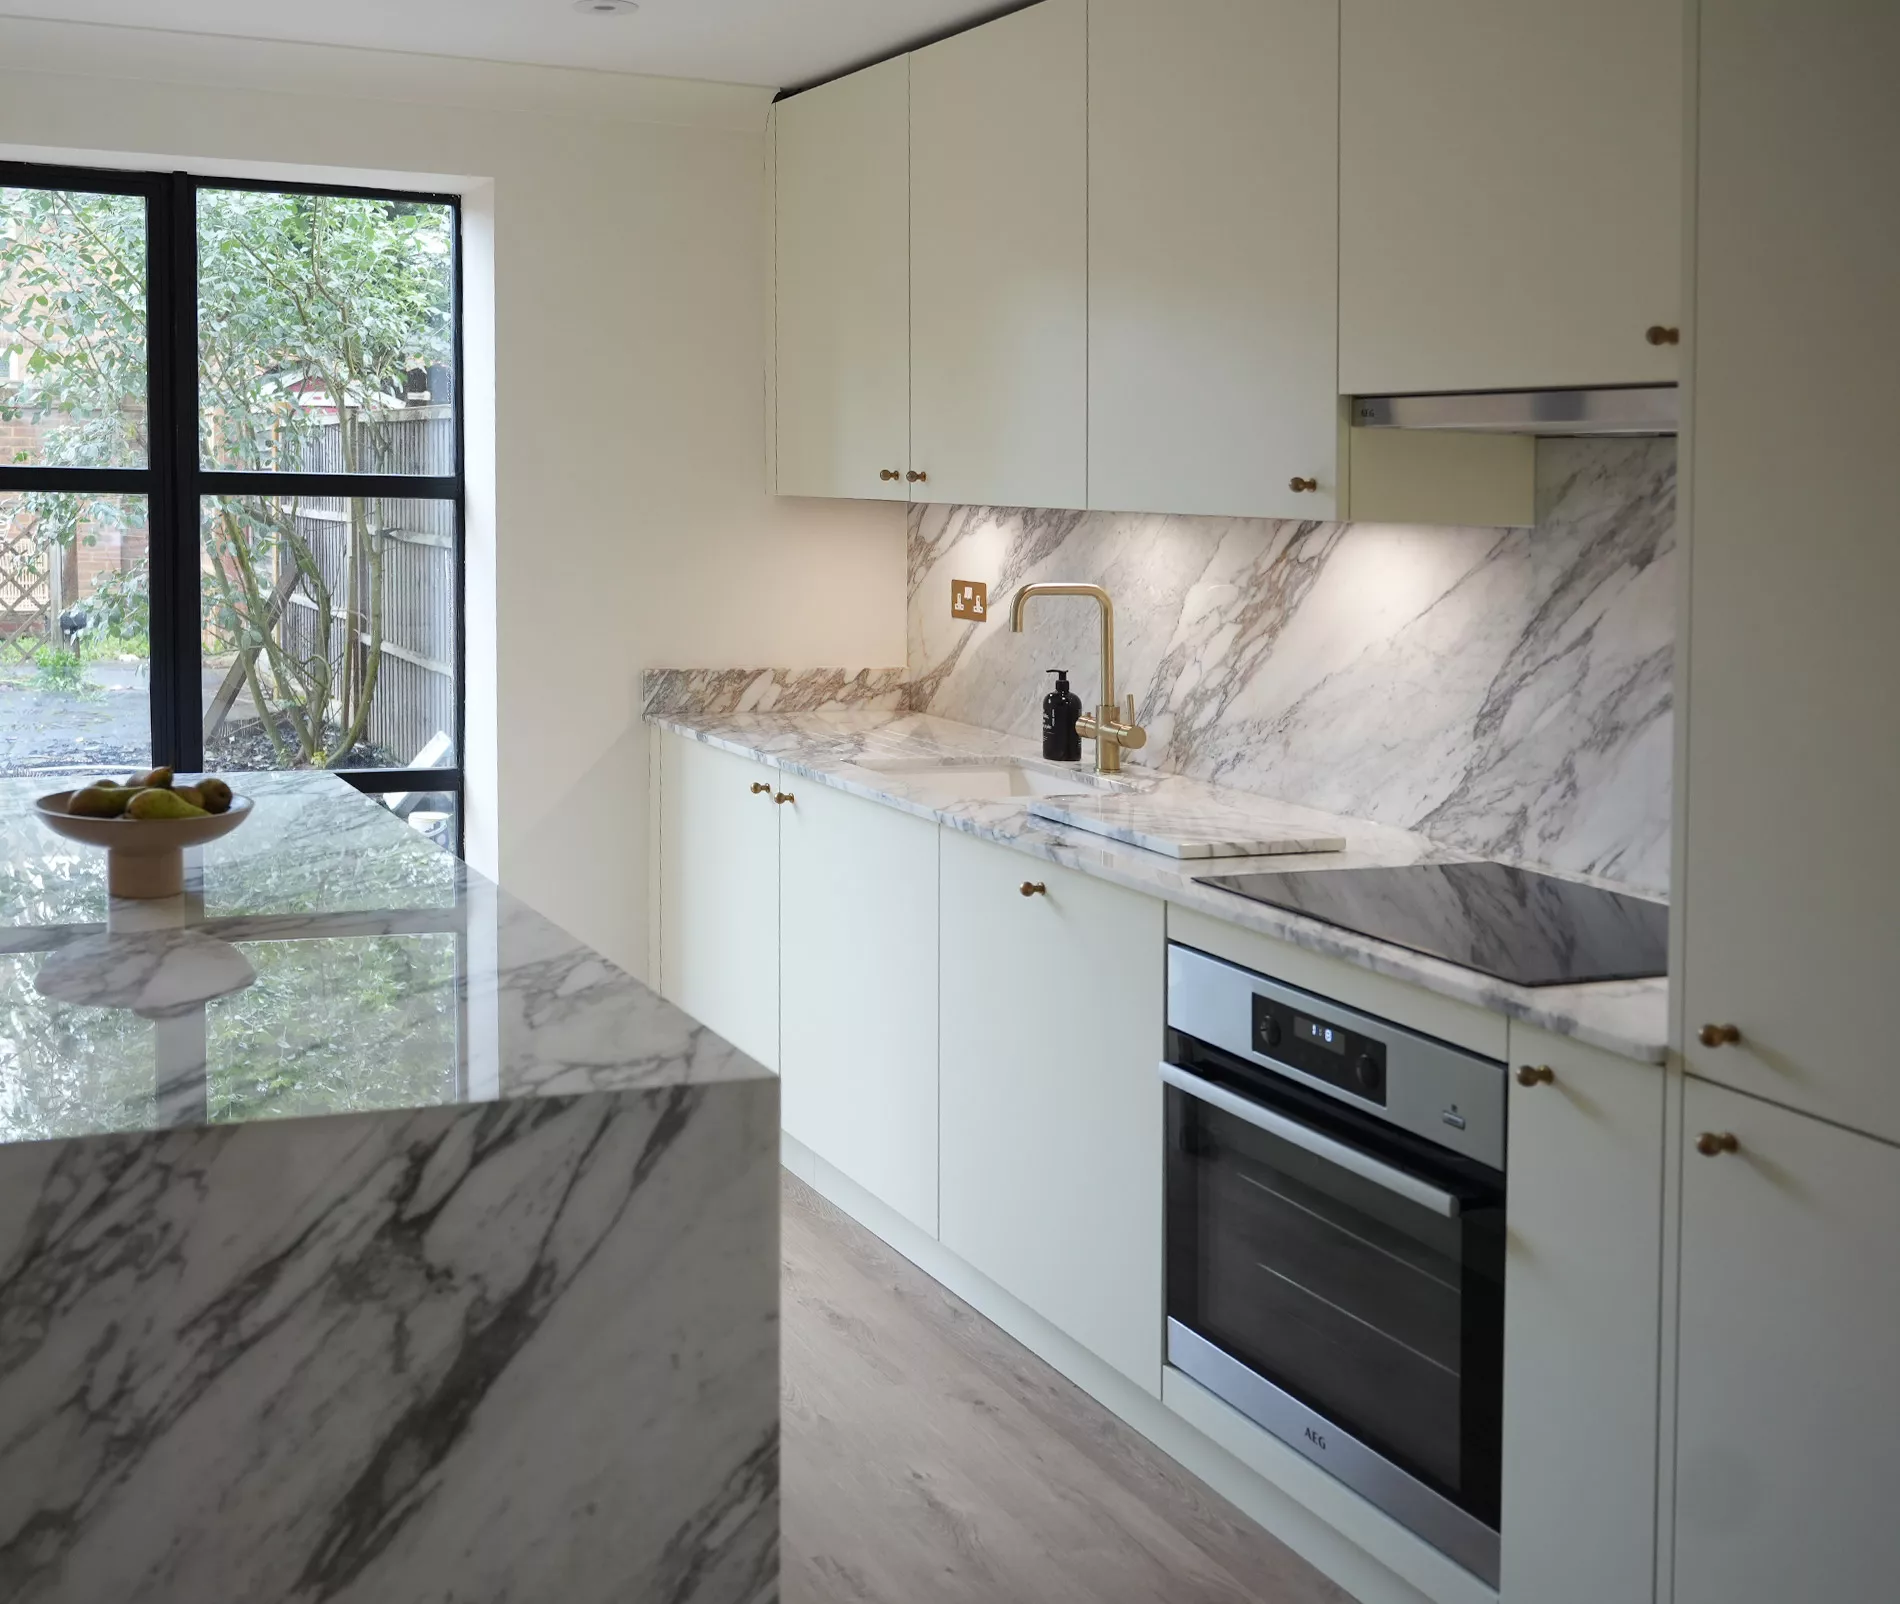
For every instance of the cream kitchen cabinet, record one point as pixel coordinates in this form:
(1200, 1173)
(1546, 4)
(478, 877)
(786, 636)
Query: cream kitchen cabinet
(1213, 256)
(1510, 193)
(1790, 926)
(842, 287)
(1582, 1301)
(858, 993)
(1051, 1105)
(719, 893)
(1788, 1420)
(999, 261)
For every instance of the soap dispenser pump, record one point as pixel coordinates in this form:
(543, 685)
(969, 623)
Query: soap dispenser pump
(1061, 743)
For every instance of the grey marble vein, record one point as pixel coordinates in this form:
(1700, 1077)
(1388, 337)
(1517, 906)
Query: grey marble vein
(772, 690)
(1626, 1017)
(1243, 827)
(1506, 691)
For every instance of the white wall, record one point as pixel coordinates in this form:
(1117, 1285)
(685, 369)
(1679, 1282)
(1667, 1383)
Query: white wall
(617, 325)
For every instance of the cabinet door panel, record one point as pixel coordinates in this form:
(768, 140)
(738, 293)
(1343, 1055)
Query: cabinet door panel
(1791, 925)
(1582, 1296)
(843, 286)
(999, 261)
(1052, 1021)
(719, 894)
(1213, 256)
(858, 919)
(1510, 193)
(1788, 1433)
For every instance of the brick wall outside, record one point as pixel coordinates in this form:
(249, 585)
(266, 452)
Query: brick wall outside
(112, 549)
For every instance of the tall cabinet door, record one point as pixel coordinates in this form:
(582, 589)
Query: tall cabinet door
(999, 261)
(1510, 193)
(1052, 1014)
(719, 893)
(1582, 1302)
(858, 938)
(1790, 921)
(1788, 1424)
(1213, 256)
(843, 287)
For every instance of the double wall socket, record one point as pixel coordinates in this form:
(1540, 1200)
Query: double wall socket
(970, 601)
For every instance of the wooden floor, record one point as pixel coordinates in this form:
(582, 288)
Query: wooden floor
(930, 1459)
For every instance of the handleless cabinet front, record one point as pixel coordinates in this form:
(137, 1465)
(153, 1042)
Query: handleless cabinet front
(999, 262)
(718, 855)
(1051, 1105)
(858, 936)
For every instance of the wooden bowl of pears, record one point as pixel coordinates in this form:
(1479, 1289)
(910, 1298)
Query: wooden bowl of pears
(145, 824)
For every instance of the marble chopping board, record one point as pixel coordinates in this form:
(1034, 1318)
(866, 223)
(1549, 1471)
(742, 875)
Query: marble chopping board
(1187, 829)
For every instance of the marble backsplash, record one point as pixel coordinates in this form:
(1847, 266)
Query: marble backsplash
(772, 690)
(1506, 691)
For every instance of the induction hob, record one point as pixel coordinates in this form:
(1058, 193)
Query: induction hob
(1512, 924)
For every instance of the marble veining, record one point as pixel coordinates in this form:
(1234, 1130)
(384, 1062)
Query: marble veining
(772, 690)
(1240, 827)
(833, 749)
(1506, 691)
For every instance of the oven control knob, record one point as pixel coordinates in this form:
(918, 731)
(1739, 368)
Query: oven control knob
(1269, 1032)
(1366, 1072)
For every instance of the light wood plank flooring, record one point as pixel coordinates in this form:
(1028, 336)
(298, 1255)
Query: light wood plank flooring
(931, 1459)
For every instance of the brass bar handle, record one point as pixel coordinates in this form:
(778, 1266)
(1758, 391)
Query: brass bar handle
(1535, 1074)
(917, 478)
(760, 788)
(1719, 1035)
(1662, 334)
(1034, 888)
(888, 474)
(1712, 1143)
(1297, 483)
(782, 797)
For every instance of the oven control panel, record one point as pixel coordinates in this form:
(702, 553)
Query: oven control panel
(1321, 1048)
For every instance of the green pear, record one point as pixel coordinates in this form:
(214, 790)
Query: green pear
(155, 802)
(99, 802)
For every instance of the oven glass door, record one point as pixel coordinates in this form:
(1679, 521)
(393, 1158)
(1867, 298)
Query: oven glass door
(1354, 1267)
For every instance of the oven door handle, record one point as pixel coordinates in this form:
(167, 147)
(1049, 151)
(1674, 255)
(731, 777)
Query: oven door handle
(1364, 1165)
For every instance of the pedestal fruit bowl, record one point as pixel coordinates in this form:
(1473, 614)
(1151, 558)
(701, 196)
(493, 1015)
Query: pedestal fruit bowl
(145, 855)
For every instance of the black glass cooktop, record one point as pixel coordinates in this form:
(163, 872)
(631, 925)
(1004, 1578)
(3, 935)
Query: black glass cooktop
(1530, 929)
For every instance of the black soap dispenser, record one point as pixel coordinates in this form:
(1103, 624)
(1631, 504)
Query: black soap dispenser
(1060, 709)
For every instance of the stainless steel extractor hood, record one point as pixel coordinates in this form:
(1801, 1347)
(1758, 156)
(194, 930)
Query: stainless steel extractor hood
(1645, 409)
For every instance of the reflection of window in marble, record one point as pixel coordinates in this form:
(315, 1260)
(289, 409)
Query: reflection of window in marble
(337, 1025)
(67, 1070)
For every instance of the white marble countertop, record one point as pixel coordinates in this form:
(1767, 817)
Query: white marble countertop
(388, 976)
(830, 748)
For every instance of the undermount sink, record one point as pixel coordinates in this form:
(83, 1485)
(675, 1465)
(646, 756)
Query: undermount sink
(993, 779)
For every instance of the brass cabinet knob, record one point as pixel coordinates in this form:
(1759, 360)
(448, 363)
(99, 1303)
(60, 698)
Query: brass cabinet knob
(1718, 1035)
(917, 478)
(1661, 334)
(1034, 888)
(760, 788)
(1711, 1143)
(888, 474)
(782, 797)
(1297, 483)
(1535, 1074)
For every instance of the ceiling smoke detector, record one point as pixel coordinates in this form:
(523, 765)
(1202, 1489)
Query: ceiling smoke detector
(606, 8)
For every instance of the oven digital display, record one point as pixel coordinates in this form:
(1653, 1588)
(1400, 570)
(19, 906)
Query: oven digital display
(1330, 1038)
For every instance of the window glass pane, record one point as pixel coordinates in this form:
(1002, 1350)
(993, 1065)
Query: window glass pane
(75, 657)
(433, 815)
(72, 329)
(329, 633)
(326, 328)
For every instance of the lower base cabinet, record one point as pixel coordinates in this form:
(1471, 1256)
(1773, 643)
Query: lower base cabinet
(858, 992)
(1582, 1304)
(1788, 1414)
(1051, 1110)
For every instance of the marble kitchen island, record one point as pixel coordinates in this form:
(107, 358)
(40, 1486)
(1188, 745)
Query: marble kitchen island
(435, 1265)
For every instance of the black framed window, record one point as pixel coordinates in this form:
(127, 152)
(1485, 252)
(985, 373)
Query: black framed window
(232, 481)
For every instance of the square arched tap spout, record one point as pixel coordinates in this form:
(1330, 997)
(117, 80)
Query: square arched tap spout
(1106, 726)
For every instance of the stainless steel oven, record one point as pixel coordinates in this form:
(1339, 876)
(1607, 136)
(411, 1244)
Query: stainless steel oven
(1335, 1241)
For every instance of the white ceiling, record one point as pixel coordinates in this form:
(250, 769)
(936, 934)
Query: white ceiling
(781, 43)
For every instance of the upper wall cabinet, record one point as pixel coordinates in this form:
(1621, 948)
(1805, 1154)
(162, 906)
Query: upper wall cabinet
(999, 261)
(843, 287)
(1510, 193)
(1213, 177)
